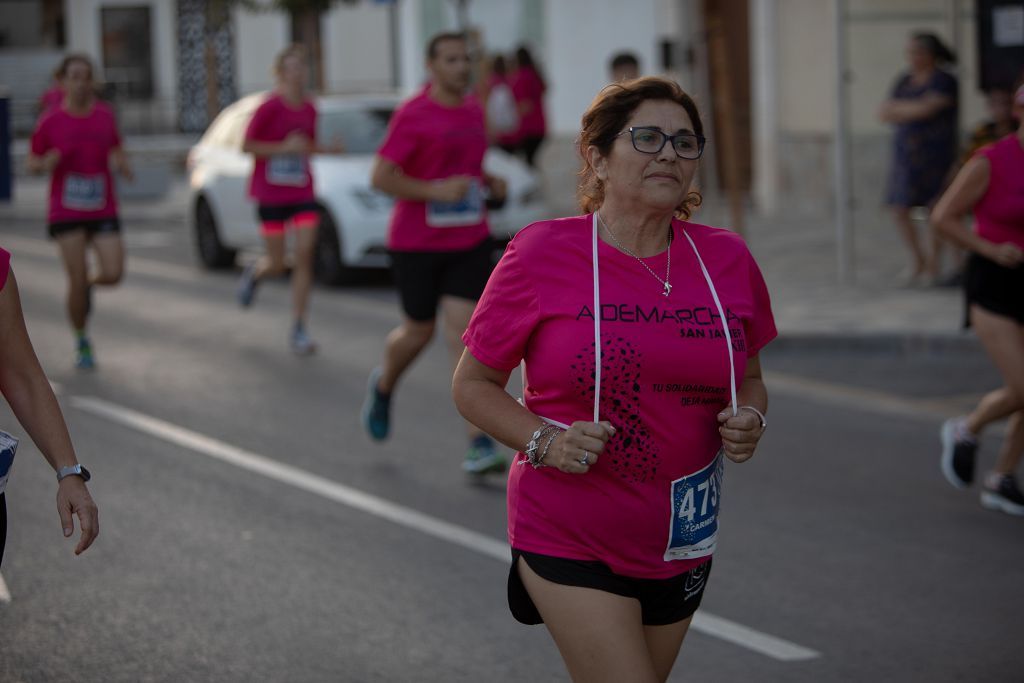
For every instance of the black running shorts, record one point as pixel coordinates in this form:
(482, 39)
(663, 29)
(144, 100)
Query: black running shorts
(279, 213)
(102, 226)
(997, 289)
(662, 601)
(423, 277)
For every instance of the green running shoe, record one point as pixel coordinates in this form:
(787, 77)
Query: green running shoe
(482, 457)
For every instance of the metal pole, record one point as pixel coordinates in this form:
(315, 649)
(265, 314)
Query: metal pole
(844, 236)
(396, 66)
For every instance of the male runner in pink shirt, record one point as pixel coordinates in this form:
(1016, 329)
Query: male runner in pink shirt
(432, 162)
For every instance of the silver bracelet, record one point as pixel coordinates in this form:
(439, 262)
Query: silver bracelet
(544, 453)
(534, 445)
(760, 416)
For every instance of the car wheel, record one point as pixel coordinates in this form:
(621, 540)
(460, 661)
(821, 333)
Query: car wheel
(328, 267)
(212, 252)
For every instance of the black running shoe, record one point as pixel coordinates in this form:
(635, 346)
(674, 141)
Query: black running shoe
(959, 448)
(1004, 496)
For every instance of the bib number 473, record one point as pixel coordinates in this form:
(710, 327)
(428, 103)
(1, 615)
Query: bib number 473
(695, 501)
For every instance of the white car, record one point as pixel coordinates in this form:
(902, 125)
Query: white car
(354, 220)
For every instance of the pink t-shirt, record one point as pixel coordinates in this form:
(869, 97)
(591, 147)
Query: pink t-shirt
(81, 187)
(528, 87)
(664, 371)
(430, 141)
(5, 267)
(999, 215)
(281, 179)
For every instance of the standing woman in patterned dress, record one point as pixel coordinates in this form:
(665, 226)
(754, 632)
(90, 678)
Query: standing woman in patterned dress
(923, 111)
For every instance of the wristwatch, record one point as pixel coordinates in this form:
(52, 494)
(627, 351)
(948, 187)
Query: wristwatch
(78, 469)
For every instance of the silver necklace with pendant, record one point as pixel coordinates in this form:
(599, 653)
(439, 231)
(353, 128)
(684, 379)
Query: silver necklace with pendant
(666, 287)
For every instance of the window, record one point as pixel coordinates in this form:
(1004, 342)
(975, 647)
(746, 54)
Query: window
(127, 56)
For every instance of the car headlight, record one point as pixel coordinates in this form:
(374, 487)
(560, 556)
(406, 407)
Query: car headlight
(371, 200)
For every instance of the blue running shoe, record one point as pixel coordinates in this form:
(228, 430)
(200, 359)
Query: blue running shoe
(376, 412)
(302, 343)
(247, 286)
(482, 457)
(83, 356)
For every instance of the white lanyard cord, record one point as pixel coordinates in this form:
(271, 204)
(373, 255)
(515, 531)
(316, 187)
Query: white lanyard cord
(597, 324)
(725, 324)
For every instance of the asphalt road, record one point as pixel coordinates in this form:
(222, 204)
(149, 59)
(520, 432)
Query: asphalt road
(251, 532)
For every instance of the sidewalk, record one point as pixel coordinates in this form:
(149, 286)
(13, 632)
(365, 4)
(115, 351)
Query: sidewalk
(799, 261)
(796, 253)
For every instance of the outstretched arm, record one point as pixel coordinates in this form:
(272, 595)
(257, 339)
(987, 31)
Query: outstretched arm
(28, 392)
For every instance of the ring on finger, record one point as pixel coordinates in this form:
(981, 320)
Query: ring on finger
(585, 460)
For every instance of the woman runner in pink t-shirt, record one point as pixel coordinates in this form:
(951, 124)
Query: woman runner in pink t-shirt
(282, 137)
(639, 333)
(78, 143)
(991, 185)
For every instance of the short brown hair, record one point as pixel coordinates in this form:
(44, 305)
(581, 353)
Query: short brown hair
(604, 120)
(440, 38)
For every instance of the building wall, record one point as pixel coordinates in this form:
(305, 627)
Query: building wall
(259, 36)
(23, 22)
(805, 90)
(356, 43)
(357, 48)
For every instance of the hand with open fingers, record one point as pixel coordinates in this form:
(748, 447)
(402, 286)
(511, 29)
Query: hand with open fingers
(73, 499)
(740, 433)
(579, 448)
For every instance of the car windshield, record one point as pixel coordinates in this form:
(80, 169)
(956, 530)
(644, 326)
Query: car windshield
(360, 130)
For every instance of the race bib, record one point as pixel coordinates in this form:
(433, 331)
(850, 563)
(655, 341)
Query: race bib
(84, 192)
(695, 499)
(8, 445)
(289, 170)
(467, 211)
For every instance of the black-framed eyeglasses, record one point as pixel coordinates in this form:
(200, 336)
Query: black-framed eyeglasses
(652, 140)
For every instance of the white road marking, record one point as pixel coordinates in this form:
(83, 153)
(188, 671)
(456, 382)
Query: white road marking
(708, 624)
(5, 593)
(738, 634)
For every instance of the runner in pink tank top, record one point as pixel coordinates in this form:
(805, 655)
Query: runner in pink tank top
(79, 145)
(991, 185)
